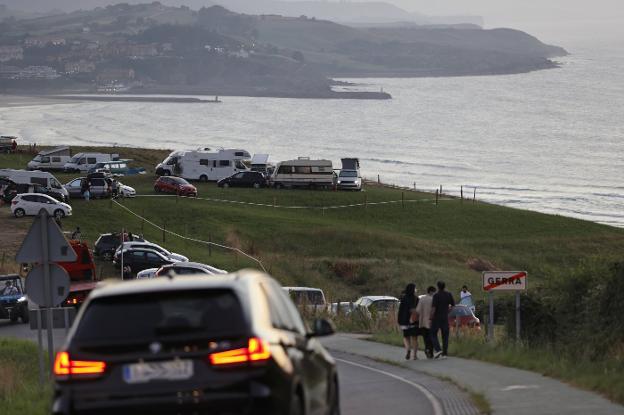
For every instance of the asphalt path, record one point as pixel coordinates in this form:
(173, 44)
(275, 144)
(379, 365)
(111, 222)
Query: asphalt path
(367, 387)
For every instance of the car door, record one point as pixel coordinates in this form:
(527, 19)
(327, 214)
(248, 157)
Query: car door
(48, 204)
(29, 203)
(74, 187)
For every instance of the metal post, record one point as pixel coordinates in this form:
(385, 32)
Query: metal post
(121, 253)
(462, 194)
(491, 325)
(40, 350)
(474, 195)
(403, 199)
(517, 315)
(436, 197)
(45, 262)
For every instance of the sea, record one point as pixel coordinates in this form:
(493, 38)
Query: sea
(550, 141)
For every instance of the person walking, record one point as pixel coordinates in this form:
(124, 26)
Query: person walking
(423, 310)
(441, 304)
(407, 306)
(86, 189)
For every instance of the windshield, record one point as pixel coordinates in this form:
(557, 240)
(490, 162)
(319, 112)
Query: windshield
(307, 297)
(75, 159)
(146, 316)
(178, 180)
(37, 158)
(348, 173)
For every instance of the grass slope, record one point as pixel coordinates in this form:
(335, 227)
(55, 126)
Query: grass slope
(350, 251)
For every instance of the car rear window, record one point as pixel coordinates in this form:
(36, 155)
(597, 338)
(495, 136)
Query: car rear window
(147, 316)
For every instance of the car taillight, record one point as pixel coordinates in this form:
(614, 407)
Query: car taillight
(65, 367)
(14, 202)
(257, 350)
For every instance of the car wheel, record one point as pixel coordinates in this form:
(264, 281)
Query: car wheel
(19, 213)
(296, 405)
(13, 317)
(157, 189)
(59, 214)
(226, 185)
(203, 178)
(256, 185)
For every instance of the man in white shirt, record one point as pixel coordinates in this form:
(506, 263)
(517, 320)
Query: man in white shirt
(423, 310)
(464, 293)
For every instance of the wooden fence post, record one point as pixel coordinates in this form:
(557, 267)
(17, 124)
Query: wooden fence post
(403, 200)
(436, 197)
(462, 194)
(474, 195)
(378, 180)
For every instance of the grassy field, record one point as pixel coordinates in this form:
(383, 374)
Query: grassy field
(20, 392)
(375, 249)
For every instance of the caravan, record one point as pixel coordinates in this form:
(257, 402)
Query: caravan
(54, 159)
(42, 178)
(303, 172)
(204, 165)
(83, 162)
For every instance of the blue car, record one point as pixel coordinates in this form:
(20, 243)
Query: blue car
(13, 302)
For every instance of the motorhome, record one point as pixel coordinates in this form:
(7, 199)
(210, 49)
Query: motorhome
(260, 163)
(83, 162)
(41, 178)
(204, 165)
(303, 172)
(54, 159)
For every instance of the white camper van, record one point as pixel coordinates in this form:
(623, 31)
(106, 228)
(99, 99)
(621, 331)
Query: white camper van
(54, 159)
(203, 165)
(83, 162)
(303, 172)
(41, 178)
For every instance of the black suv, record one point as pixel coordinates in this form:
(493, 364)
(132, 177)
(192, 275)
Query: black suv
(139, 259)
(107, 244)
(232, 344)
(244, 179)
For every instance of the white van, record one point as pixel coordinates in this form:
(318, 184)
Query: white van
(42, 178)
(54, 159)
(307, 298)
(303, 172)
(203, 165)
(83, 162)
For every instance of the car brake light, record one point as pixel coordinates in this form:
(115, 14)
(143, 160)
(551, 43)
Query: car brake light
(257, 350)
(14, 202)
(64, 366)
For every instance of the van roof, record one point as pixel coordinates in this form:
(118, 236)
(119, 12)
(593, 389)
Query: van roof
(54, 150)
(260, 159)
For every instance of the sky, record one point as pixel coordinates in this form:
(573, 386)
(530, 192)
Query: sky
(549, 19)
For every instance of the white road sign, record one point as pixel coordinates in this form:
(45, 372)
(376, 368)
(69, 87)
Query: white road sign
(505, 280)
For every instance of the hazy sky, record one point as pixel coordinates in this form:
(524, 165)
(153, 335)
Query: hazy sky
(549, 18)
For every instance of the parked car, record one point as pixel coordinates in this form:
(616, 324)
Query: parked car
(83, 268)
(124, 190)
(107, 243)
(376, 305)
(99, 187)
(231, 344)
(27, 178)
(150, 245)
(244, 179)
(462, 316)
(175, 185)
(53, 159)
(188, 268)
(349, 180)
(147, 273)
(307, 298)
(36, 188)
(139, 259)
(13, 302)
(29, 204)
(8, 189)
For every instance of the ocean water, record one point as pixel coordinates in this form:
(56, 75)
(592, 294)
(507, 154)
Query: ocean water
(550, 141)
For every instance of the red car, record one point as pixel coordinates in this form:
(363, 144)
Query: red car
(462, 316)
(175, 185)
(83, 268)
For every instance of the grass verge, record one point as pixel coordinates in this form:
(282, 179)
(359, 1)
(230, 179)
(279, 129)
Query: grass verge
(604, 376)
(20, 392)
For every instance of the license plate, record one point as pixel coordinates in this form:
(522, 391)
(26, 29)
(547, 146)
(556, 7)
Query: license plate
(168, 370)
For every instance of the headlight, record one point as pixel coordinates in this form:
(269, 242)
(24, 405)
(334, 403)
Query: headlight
(338, 182)
(22, 299)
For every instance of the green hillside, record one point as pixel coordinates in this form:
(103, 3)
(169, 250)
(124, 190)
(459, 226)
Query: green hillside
(372, 249)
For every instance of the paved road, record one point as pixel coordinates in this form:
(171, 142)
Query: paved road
(367, 387)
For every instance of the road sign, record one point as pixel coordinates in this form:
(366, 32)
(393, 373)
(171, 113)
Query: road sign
(59, 284)
(505, 281)
(31, 250)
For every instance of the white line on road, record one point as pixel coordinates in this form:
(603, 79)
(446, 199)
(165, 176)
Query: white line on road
(435, 403)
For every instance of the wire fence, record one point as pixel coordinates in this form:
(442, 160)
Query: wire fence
(230, 248)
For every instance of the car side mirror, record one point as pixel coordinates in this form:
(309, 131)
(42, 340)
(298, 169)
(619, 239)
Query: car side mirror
(321, 328)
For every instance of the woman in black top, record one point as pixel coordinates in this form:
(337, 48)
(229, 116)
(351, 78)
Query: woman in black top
(408, 303)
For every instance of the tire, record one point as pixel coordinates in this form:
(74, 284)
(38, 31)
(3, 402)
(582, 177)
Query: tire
(157, 189)
(59, 214)
(13, 316)
(296, 405)
(256, 185)
(19, 213)
(25, 315)
(203, 178)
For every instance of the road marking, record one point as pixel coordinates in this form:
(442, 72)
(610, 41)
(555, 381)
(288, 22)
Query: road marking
(435, 403)
(518, 387)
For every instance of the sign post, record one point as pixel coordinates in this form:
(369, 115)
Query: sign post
(46, 284)
(504, 281)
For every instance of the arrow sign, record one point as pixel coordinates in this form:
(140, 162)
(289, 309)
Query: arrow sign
(31, 249)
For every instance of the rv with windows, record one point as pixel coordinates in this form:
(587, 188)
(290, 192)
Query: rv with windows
(204, 165)
(83, 162)
(42, 178)
(54, 159)
(303, 172)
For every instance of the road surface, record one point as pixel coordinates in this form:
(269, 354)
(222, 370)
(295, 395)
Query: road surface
(367, 387)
